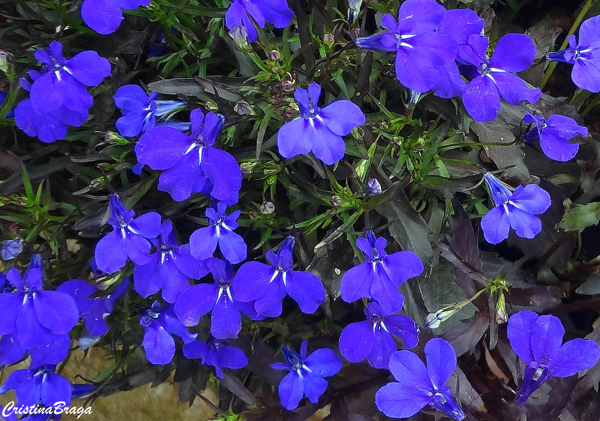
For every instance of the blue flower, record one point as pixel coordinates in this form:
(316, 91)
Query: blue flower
(161, 324)
(38, 385)
(380, 275)
(585, 56)
(215, 353)
(513, 209)
(421, 53)
(203, 241)
(319, 130)
(240, 13)
(105, 16)
(129, 238)
(374, 338)
(192, 163)
(537, 340)
(35, 315)
(554, 135)
(267, 285)
(170, 268)
(7, 414)
(11, 249)
(218, 297)
(306, 374)
(3, 96)
(495, 78)
(418, 385)
(140, 110)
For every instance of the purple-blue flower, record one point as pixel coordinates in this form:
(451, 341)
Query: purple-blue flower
(537, 340)
(217, 354)
(240, 13)
(33, 314)
(129, 238)
(191, 162)
(306, 374)
(169, 268)
(140, 111)
(38, 385)
(374, 338)
(417, 385)
(3, 96)
(319, 130)
(554, 135)
(421, 53)
(218, 297)
(380, 275)
(204, 241)
(513, 209)
(161, 324)
(105, 16)
(373, 187)
(11, 249)
(495, 78)
(585, 56)
(267, 285)
(93, 310)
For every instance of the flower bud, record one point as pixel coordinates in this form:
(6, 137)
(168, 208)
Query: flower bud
(243, 108)
(240, 37)
(267, 208)
(329, 39)
(335, 201)
(274, 55)
(373, 187)
(501, 314)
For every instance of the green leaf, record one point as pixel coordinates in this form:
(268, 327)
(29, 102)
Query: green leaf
(581, 217)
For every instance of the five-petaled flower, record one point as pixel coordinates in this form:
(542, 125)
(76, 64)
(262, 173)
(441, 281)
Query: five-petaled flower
(380, 275)
(161, 324)
(513, 209)
(267, 285)
(105, 16)
(38, 385)
(204, 241)
(554, 135)
(306, 374)
(217, 354)
(374, 338)
(169, 268)
(584, 56)
(319, 130)
(242, 12)
(495, 78)
(537, 340)
(191, 162)
(129, 238)
(198, 300)
(418, 385)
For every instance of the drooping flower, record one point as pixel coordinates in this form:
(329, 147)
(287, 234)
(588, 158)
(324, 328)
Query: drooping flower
(38, 385)
(93, 310)
(11, 249)
(276, 12)
(418, 385)
(306, 374)
(140, 111)
(169, 269)
(554, 135)
(584, 56)
(204, 241)
(129, 238)
(33, 314)
(495, 78)
(380, 275)
(63, 81)
(218, 297)
(513, 209)
(192, 163)
(374, 338)
(267, 285)
(161, 324)
(537, 340)
(421, 53)
(319, 130)
(217, 354)
(105, 16)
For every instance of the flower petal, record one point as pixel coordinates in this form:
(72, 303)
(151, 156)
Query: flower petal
(441, 361)
(162, 147)
(356, 341)
(514, 90)
(291, 390)
(103, 16)
(574, 356)
(401, 400)
(531, 198)
(403, 327)
(195, 302)
(55, 311)
(158, 344)
(356, 282)
(383, 348)
(11, 306)
(203, 242)
(342, 116)
(408, 369)
(110, 253)
(525, 224)
(226, 320)
(223, 171)
(295, 138)
(513, 53)
(495, 225)
(306, 289)
(323, 362)
(55, 388)
(251, 281)
(546, 338)
(314, 387)
(519, 334)
(88, 68)
(481, 99)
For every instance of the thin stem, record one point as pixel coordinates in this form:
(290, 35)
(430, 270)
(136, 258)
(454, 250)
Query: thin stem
(576, 24)
(592, 104)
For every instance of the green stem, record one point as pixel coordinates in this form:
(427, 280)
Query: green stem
(576, 24)
(594, 102)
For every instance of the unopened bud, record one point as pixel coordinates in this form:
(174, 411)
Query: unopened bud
(335, 201)
(243, 108)
(329, 38)
(274, 55)
(267, 208)
(501, 314)
(240, 37)
(373, 187)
